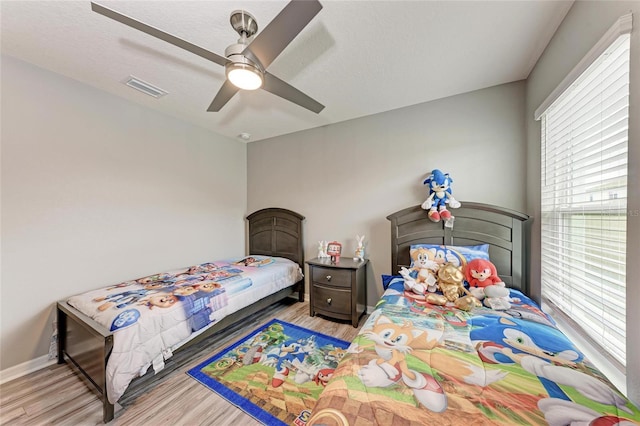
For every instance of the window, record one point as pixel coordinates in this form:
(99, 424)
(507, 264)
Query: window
(583, 198)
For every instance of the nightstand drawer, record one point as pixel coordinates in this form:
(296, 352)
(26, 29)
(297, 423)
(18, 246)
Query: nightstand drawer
(332, 276)
(332, 299)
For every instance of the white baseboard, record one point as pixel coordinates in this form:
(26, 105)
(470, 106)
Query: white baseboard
(25, 368)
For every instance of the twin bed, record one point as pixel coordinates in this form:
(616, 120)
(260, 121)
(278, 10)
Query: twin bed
(412, 362)
(417, 363)
(114, 335)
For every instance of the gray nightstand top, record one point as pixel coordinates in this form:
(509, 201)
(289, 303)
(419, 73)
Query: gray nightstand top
(344, 263)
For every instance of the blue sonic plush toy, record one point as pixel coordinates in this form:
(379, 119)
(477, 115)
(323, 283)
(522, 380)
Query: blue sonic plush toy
(439, 196)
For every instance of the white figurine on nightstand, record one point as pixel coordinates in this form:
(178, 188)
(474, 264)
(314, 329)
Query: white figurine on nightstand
(359, 255)
(322, 249)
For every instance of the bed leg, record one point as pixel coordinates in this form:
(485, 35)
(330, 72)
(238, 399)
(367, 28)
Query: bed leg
(107, 411)
(62, 334)
(301, 291)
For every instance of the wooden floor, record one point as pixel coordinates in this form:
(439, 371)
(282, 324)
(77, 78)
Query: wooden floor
(58, 396)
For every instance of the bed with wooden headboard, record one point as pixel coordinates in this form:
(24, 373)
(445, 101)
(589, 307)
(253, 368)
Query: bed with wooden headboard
(417, 361)
(87, 344)
(506, 231)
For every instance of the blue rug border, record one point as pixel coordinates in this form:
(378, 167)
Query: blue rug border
(248, 407)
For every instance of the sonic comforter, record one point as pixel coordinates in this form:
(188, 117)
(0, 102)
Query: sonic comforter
(415, 363)
(152, 316)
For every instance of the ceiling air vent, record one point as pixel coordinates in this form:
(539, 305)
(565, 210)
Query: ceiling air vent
(145, 87)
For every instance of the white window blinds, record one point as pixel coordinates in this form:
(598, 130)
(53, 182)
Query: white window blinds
(583, 199)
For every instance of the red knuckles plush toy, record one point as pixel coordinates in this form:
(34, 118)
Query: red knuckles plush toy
(481, 273)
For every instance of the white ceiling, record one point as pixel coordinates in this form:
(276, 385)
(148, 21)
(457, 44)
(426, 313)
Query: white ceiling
(356, 57)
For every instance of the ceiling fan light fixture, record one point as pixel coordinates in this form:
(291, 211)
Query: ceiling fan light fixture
(244, 76)
(247, 60)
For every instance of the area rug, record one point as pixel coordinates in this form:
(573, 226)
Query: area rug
(275, 373)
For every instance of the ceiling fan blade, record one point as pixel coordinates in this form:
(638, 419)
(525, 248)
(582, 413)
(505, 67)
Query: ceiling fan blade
(278, 87)
(268, 44)
(225, 93)
(176, 41)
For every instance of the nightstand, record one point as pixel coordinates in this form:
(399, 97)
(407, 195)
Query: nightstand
(338, 290)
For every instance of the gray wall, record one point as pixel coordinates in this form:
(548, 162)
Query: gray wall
(97, 190)
(583, 26)
(346, 178)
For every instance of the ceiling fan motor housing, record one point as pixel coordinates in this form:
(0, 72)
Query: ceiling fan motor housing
(234, 54)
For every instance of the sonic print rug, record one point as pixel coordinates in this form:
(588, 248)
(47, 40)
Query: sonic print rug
(275, 374)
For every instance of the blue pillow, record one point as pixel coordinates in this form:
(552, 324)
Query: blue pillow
(458, 255)
(386, 280)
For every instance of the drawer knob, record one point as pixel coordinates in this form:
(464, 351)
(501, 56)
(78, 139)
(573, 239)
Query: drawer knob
(329, 301)
(328, 277)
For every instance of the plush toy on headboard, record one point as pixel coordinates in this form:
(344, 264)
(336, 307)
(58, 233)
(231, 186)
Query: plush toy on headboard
(439, 196)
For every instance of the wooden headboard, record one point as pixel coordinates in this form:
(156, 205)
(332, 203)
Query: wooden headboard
(276, 232)
(506, 231)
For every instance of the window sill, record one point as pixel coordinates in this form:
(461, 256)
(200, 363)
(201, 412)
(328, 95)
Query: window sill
(612, 370)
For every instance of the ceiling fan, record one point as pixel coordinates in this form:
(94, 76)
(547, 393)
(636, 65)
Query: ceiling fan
(246, 61)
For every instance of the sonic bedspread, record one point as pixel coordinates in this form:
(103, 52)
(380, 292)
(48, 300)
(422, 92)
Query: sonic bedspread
(414, 364)
(152, 316)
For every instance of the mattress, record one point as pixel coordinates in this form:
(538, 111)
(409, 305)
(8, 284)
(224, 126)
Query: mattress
(414, 363)
(152, 316)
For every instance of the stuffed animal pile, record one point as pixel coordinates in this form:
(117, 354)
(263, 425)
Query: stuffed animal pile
(442, 283)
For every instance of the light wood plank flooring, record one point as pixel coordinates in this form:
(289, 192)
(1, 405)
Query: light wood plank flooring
(58, 396)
